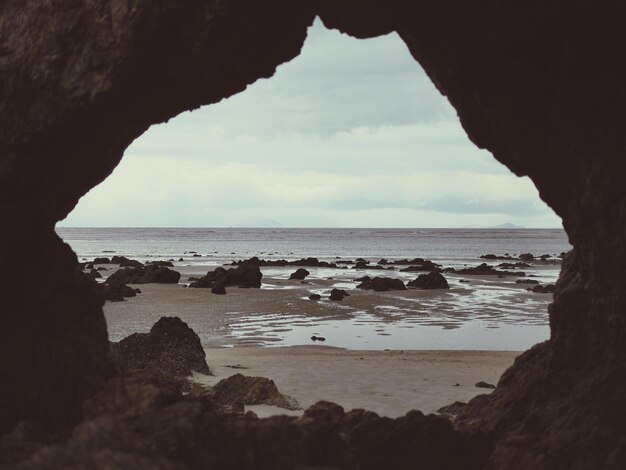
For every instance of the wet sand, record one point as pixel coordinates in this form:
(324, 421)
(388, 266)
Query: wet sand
(388, 382)
(482, 314)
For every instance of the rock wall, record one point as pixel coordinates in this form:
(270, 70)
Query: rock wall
(539, 84)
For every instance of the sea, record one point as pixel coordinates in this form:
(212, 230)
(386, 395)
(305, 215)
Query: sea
(485, 313)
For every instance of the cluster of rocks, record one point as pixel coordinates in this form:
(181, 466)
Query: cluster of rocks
(144, 275)
(380, 284)
(484, 270)
(542, 289)
(246, 275)
(526, 257)
(304, 262)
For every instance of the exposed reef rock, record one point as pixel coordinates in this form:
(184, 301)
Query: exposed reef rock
(171, 348)
(306, 262)
(144, 275)
(338, 294)
(540, 87)
(245, 275)
(432, 280)
(116, 292)
(484, 270)
(300, 273)
(380, 284)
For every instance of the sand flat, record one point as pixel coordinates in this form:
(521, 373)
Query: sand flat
(387, 382)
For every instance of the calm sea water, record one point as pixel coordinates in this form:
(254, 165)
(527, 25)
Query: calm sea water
(225, 244)
(487, 313)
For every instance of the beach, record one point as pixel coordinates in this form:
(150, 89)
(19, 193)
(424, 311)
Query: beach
(386, 351)
(389, 383)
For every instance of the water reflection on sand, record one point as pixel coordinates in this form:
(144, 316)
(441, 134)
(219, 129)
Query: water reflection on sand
(484, 313)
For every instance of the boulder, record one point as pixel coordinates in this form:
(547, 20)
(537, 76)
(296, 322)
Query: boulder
(315, 297)
(101, 261)
(426, 265)
(244, 275)
(218, 288)
(131, 263)
(300, 273)
(116, 292)
(144, 275)
(527, 257)
(526, 281)
(432, 280)
(239, 388)
(338, 294)
(381, 284)
(170, 348)
(167, 264)
(543, 289)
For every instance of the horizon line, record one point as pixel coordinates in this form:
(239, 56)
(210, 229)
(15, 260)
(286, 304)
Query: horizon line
(310, 228)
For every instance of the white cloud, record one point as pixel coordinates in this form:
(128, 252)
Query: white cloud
(350, 133)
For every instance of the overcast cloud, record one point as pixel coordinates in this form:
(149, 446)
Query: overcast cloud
(349, 134)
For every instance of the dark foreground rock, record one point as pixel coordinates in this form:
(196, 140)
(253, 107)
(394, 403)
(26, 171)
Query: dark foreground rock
(338, 294)
(380, 284)
(451, 411)
(170, 348)
(300, 273)
(315, 297)
(144, 275)
(146, 423)
(432, 280)
(244, 276)
(239, 388)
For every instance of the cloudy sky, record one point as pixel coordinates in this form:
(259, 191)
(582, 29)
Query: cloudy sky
(349, 134)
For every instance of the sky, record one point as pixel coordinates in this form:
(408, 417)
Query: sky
(351, 133)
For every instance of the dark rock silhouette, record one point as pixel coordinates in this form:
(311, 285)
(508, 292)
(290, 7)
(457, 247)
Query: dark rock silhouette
(305, 262)
(380, 284)
(167, 264)
(484, 270)
(116, 292)
(144, 275)
(300, 273)
(239, 388)
(432, 280)
(170, 348)
(338, 294)
(245, 275)
(543, 289)
(315, 297)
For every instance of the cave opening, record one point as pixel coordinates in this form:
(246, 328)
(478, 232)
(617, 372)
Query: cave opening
(349, 135)
(545, 99)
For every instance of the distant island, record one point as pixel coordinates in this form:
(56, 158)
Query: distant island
(507, 225)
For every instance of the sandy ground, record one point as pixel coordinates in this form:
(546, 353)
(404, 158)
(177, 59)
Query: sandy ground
(388, 382)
